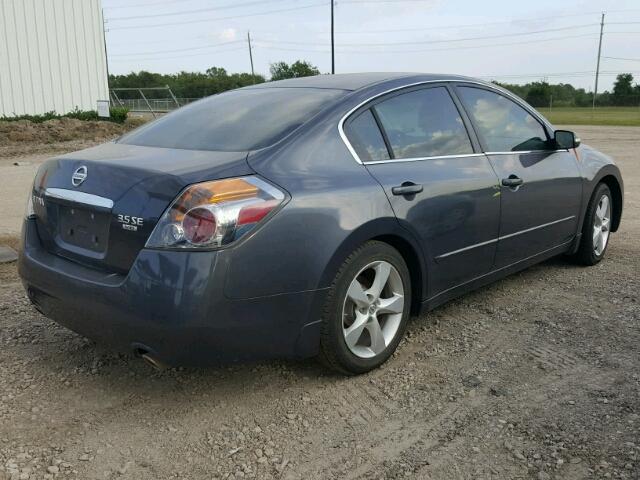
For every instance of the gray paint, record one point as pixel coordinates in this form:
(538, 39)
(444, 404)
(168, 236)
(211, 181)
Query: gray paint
(263, 297)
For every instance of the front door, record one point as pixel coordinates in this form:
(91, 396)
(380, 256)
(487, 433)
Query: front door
(540, 186)
(416, 144)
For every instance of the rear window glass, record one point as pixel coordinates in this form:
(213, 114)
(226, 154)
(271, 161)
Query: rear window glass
(235, 121)
(366, 138)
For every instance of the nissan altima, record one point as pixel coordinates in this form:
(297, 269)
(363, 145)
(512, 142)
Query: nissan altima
(308, 217)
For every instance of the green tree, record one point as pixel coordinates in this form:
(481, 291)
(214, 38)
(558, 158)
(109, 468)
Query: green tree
(539, 94)
(623, 90)
(282, 70)
(217, 72)
(564, 94)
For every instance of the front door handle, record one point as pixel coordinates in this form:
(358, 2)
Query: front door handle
(407, 188)
(512, 181)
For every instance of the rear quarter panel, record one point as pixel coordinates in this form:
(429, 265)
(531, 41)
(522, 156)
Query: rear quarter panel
(335, 206)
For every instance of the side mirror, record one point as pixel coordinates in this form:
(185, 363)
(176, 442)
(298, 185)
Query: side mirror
(565, 139)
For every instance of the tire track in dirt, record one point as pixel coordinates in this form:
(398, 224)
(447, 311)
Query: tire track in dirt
(380, 423)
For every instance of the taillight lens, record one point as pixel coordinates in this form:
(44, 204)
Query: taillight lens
(214, 214)
(199, 225)
(29, 211)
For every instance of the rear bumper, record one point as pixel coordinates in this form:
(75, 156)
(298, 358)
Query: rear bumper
(171, 304)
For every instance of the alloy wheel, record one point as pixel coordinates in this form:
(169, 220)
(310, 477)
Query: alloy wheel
(373, 308)
(601, 225)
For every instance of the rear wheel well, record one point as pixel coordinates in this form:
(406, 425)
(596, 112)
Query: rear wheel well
(611, 182)
(412, 260)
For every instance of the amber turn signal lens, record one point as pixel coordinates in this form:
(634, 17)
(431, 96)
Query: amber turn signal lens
(216, 213)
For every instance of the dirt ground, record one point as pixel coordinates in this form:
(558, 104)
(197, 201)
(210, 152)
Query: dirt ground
(534, 377)
(24, 145)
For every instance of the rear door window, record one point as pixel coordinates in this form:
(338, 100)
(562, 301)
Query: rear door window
(503, 125)
(366, 139)
(423, 123)
(239, 120)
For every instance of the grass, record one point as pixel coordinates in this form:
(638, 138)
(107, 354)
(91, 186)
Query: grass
(615, 116)
(117, 115)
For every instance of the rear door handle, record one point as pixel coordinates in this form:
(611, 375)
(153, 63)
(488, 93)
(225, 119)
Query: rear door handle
(512, 181)
(407, 188)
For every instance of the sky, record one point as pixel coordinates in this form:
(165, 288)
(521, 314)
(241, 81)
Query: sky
(506, 40)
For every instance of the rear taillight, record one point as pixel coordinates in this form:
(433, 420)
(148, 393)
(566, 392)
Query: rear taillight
(214, 214)
(29, 210)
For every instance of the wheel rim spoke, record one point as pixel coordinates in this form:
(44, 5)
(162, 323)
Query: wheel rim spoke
(383, 270)
(601, 243)
(357, 294)
(378, 343)
(604, 206)
(354, 332)
(394, 304)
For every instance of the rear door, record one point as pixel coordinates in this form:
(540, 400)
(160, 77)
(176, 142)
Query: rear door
(415, 142)
(541, 187)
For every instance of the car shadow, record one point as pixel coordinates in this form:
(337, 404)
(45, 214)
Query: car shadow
(86, 365)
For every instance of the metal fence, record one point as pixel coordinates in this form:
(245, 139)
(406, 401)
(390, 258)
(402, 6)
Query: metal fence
(144, 104)
(158, 105)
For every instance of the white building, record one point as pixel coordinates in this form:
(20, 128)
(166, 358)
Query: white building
(52, 56)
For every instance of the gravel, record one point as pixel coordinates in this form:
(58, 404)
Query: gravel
(536, 376)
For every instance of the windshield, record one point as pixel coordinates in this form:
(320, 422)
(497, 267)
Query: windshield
(246, 119)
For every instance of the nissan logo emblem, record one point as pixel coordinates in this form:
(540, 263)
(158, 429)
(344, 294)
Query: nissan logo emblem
(79, 176)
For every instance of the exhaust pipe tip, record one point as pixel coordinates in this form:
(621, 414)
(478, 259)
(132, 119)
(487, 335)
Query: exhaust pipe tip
(152, 361)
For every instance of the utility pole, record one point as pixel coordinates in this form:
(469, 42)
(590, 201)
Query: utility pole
(595, 90)
(104, 39)
(333, 46)
(250, 56)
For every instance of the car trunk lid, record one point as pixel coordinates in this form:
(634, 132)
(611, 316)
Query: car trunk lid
(98, 206)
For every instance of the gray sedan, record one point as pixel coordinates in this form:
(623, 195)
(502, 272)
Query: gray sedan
(308, 217)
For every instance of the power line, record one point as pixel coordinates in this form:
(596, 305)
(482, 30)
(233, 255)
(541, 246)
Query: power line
(621, 58)
(285, 42)
(171, 2)
(535, 75)
(504, 35)
(558, 74)
(121, 60)
(205, 20)
(426, 42)
(463, 47)
(428, 28)
(149, 4)
(469, 25)
(189, 12)
(187, 49)
(382, 1)
(513, 21)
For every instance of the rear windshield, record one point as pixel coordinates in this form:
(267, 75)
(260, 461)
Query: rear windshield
(238, 120)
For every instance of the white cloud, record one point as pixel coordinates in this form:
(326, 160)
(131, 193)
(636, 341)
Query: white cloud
(228, 34)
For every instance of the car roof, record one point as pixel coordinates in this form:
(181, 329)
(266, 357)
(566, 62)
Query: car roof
(356, 81)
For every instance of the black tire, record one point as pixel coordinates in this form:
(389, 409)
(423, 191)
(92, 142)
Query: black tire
(586, 254)
(334, 351)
